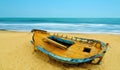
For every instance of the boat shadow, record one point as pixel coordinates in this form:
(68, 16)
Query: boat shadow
(63, 66)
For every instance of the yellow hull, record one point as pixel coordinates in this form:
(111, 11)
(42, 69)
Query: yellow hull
(80, 49)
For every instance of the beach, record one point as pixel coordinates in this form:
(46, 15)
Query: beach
(17, 53)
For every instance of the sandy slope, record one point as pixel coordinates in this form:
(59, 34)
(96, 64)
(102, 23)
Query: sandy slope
(16, 53)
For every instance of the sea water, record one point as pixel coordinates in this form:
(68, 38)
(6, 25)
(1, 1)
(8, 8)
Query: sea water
(75, 25)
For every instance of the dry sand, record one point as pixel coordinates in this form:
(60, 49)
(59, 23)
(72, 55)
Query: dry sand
(16, 53)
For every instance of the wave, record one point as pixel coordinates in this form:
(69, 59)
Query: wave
(61, 25)
(79, 24)
(64, 27)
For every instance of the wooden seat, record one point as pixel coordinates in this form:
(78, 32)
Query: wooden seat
(55, 43)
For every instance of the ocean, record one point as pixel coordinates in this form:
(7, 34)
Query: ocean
(74, 25)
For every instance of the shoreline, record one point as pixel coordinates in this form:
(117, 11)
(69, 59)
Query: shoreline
(62, 32)
(64, 27)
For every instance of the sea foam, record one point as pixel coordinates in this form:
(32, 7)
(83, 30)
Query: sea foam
(64, 27)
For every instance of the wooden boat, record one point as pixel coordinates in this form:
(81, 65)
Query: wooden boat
(68, 49)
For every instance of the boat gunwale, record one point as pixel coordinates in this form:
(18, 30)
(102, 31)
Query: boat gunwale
(74, 60)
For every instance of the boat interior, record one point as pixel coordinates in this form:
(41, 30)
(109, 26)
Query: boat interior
(66, 45)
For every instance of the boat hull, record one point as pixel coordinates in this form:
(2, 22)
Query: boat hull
(68, 60)
(43, 42)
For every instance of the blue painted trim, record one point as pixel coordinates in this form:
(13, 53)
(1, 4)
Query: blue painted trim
(61, 40)
(74, 60)
(66, 60)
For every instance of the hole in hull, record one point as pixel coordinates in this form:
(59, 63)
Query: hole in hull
(87, 50)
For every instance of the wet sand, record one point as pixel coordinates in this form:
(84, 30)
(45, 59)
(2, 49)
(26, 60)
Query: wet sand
(16, 53)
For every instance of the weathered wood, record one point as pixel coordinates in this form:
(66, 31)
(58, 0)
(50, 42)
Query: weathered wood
(74, 52)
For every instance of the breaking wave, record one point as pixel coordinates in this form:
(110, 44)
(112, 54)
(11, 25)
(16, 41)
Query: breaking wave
(64, 27)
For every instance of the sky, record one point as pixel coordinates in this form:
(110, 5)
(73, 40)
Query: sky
(60, 8)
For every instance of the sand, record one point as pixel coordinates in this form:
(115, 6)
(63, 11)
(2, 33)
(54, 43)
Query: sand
(16, 53)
